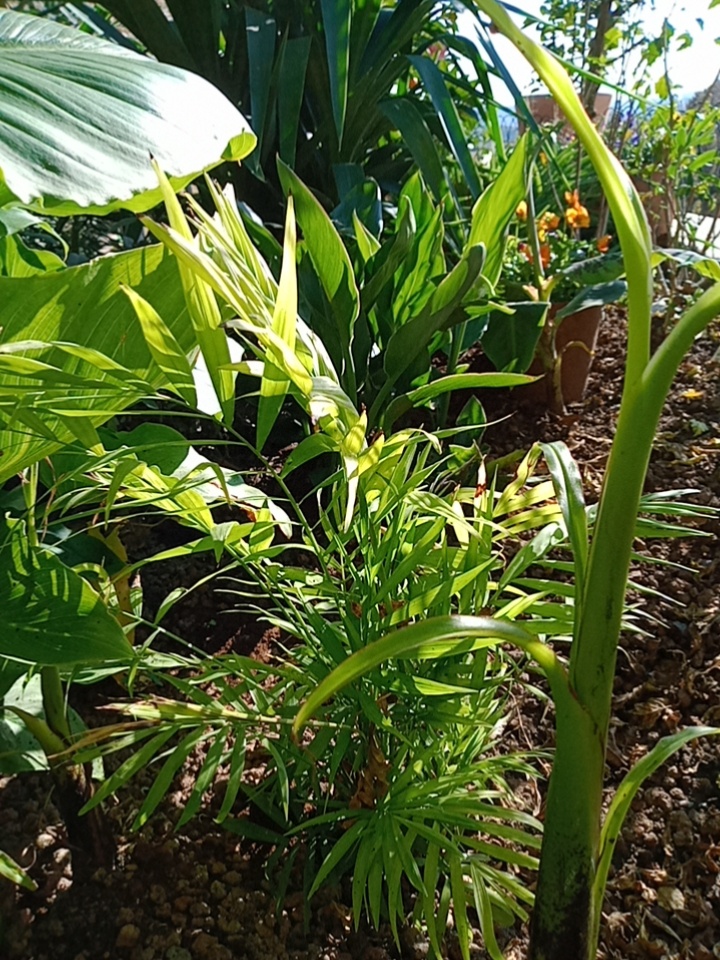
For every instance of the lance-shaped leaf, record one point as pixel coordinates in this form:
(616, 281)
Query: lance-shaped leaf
(275, 383)
(494, 209)
(80, 119)
(202, 306)
(629, 787)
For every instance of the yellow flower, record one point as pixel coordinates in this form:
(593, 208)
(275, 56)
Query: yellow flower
(522, 210)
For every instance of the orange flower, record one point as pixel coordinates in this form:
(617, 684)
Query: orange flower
(545, 254)
(576, 215)
(603, 243)
(549, 222)
(522, 210)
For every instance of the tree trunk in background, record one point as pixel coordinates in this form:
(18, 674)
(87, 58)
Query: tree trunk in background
(595, 52)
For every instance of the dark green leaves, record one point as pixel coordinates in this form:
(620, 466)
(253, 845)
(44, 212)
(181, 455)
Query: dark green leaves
(434, 82)
(336, 22)
(50, 614)
(596, 296)
(511, 338)
(81, 306)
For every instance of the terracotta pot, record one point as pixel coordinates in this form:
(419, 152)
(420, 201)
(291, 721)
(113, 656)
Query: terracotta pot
(575, 342)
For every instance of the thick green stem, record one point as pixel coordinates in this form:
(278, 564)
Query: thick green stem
(567, 913)
(570, 841)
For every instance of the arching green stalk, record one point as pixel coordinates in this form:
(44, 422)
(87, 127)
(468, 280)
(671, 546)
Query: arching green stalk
(569, 898)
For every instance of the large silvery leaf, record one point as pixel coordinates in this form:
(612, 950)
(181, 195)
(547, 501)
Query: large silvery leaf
(80, 119)
(41, 409)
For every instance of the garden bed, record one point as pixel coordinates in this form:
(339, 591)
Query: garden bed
(201, 893)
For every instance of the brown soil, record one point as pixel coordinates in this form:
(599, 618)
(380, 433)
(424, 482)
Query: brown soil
(201, 894)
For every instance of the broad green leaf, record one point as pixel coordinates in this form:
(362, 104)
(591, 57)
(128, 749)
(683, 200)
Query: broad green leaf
(596, 270)
(336, 15)
(19, 260)
(405, 116)
(50, 614)
(411, 340)
(165, 349)
(701, 263)
(368, 245)
(81, 117)
(457, 381)
(362, 200)
(434, 83)
(309, 448)
(149, 23)
(14, 219)
(20, 750)
(329, 257)
(291, 86)
(83, 306)
(496, 207)
(260, 37)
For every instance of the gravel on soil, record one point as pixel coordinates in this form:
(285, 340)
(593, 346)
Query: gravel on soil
(201, 893)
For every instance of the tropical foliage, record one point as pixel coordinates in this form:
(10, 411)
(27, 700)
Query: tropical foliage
(367, 524)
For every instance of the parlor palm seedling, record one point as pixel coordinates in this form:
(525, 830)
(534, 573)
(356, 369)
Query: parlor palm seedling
(387, 776)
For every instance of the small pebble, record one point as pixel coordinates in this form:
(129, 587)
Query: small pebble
(128, 937)
(45, 840)
(178, 953)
